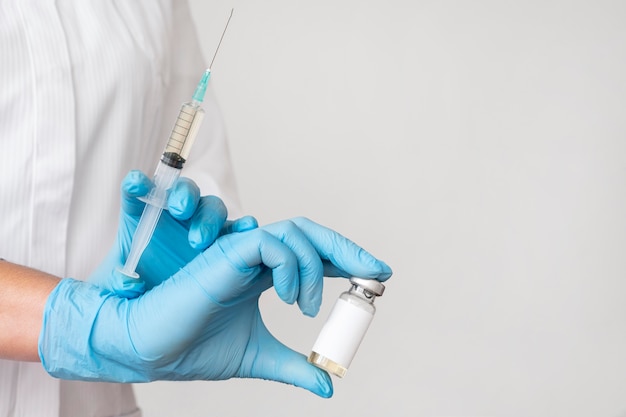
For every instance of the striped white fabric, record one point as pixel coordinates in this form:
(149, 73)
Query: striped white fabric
(88, 91)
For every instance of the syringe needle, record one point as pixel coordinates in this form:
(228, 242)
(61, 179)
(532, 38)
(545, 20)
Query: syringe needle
(220, 42)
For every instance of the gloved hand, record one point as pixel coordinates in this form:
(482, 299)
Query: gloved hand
(204, 322)
(189, 226)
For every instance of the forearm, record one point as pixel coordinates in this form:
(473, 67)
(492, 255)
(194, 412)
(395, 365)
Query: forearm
(23, 295)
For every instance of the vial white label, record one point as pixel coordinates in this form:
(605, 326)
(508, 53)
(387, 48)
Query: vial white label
(342, 334)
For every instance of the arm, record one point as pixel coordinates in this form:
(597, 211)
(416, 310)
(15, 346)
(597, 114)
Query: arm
(23, 295)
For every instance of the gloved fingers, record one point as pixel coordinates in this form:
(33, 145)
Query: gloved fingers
(276, 362)
(114, 281)
(245, 252)
(242, 224)
(135, 184)
(183, 199)
(284, 264)
(310, 268)
(342, 252)
(207, 222)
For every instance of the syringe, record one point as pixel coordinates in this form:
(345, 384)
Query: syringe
(169, 167)
(167, 172)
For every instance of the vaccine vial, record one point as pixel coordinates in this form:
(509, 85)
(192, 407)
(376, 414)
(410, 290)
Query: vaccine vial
(346, 326)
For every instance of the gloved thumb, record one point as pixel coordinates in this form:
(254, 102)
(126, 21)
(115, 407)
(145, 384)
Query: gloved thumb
(276, 362)
(135, 184)
(125, 286)
(108, 276)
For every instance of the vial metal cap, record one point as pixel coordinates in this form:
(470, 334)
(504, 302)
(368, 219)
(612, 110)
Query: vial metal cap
(371, 285)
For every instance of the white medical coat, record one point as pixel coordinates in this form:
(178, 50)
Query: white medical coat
(88, 91)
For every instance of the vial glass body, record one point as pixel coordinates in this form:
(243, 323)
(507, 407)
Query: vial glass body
(343, 331)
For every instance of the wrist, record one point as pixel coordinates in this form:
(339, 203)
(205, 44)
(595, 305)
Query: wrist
(84, 337)
(23, 295)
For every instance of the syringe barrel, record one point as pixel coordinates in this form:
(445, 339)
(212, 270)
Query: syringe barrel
(156, 201)
(143, 234)
(183, 135)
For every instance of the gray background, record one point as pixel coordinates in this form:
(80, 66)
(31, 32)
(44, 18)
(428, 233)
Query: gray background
(479, 148)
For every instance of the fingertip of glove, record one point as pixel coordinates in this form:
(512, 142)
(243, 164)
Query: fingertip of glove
(128, 287)
(136, 183)
(183, 199)
(287, 293)
(314, 380)
(311, 307)
(324, 385)
(386, 271)
(131, 291)
(245, 223)
(202, 235)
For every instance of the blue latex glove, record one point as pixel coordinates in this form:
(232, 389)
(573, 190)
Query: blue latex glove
(204, 322)
(189, 225)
